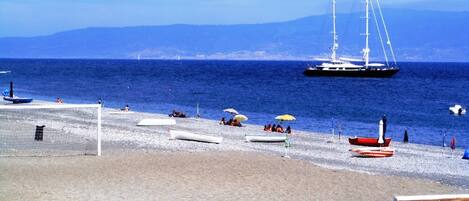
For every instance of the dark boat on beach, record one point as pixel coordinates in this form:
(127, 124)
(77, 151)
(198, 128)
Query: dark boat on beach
(9, 96)
(369, 142)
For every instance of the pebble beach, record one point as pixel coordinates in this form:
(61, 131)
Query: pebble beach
(142, 163)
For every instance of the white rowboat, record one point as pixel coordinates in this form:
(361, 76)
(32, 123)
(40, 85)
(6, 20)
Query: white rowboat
(265, 138)
(183, 135)
(157, 122)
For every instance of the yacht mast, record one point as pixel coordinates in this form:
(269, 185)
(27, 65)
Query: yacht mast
(366, 51)
(335, 44)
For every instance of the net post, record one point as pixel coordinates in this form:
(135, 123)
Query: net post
(99, 131)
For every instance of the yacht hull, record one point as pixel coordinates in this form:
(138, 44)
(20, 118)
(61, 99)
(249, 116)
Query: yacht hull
(379, 73)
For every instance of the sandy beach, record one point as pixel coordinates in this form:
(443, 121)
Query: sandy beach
(142, 163)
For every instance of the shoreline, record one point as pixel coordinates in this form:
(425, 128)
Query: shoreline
(424, 162)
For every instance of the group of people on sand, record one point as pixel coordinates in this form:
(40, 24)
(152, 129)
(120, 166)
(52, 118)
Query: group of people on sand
(59, 100)
(179, 114)
(230, 122)
(277, 128)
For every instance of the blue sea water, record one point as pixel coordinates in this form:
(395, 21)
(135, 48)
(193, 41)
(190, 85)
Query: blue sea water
(417, 98)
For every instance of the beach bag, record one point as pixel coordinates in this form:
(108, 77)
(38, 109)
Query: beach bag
(466, 154)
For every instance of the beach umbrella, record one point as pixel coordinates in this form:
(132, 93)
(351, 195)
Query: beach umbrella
(381, 132)
(466, 154)
(231, 111)
(285, 117)
(240, 117)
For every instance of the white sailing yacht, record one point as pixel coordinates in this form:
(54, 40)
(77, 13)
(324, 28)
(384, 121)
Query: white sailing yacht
(344, 67)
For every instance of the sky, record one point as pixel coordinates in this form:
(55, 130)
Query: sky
(44, 17)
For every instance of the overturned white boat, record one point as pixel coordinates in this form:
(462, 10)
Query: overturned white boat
(183, 135)
(457, 110)
(265, 138)
(157, 122)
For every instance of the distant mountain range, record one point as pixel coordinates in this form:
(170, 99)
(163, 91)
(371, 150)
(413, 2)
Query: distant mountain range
(416, 36)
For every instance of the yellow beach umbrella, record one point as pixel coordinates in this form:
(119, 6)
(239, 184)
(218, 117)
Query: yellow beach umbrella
(285, 117)
(241, 117)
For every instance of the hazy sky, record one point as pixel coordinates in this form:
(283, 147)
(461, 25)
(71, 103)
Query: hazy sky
(42, 17)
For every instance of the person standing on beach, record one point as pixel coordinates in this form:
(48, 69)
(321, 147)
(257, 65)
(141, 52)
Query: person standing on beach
(406, 136)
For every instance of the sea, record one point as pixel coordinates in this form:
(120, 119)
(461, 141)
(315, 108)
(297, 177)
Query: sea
(416, 99)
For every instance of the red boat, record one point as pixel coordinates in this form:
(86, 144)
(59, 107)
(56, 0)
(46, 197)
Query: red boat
(369, 142)
(369, 152)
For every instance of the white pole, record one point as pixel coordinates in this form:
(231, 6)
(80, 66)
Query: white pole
(99, 131)
(366, 51)
(335, 45)
(381, 132)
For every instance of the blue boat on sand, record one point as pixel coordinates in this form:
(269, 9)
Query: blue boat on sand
(9, 96)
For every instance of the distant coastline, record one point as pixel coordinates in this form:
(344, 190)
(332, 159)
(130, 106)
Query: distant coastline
(300, 39)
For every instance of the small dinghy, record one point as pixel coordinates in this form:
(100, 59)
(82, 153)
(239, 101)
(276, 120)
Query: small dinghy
(265, 138)
(457, 110)
(371, 152)
(9, 96)
(157, 122)
(183, 135)
(368, 141)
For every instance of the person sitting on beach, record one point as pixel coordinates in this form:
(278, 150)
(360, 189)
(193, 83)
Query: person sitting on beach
(222, 121)
(229, 122)
(101, 102)
(279, 129)
(274, 128)
(126, 108)
(269, 127)
(288, 130)
(265, 127)
(177, 114)
(235, 123)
